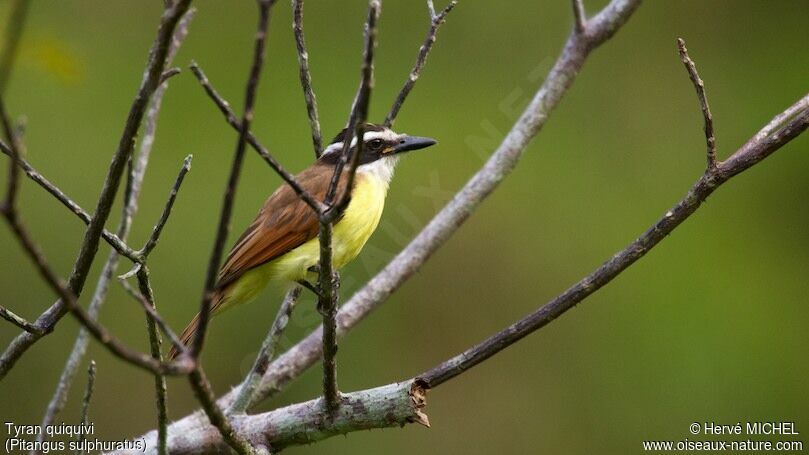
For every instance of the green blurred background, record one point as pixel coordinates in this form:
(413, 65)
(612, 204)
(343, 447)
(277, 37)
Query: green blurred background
(710, 326)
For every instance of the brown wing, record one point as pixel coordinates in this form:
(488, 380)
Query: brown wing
(283, 224)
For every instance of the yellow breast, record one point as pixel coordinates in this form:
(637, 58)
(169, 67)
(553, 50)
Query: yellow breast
(350, 233)
(360, 219)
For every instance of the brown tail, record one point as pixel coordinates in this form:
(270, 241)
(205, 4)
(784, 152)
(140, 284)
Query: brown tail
(186, 337)
(190, 331)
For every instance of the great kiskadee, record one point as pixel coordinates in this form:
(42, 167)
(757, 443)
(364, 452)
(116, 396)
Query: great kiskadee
(281, 245)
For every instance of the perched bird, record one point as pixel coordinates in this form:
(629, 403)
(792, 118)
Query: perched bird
(281, 245)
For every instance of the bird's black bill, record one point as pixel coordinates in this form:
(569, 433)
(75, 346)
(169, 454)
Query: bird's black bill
(409, 143)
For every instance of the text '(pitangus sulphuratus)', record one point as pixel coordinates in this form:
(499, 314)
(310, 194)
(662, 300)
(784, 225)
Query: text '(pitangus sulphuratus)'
(281, 245)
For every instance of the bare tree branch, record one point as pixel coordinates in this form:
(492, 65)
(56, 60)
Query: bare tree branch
(19, 321)
(579, 16)
(230, 116)
(710, 139)
(392, 405)
(247, 390)
(155, 342)
(435, 23)
(161, 223)
(131, 197)
(89, 246)
(306, 77)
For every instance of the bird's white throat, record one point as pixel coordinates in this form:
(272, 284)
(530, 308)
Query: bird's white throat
(381, 169)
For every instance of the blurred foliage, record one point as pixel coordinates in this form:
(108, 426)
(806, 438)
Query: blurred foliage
(710, 326)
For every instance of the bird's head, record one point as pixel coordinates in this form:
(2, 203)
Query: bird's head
(379, 143)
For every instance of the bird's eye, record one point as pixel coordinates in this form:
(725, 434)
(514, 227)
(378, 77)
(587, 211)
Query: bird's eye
(375, 144)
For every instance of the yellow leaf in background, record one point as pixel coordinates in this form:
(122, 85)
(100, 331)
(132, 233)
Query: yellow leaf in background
(55, 58)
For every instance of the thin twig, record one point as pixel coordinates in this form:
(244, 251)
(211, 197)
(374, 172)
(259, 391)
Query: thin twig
(223, 229)
(19, 321)
(161, 223)
(230, 117)
(204, 393)
(154, 345)
(85, 403)
(248, 387)
(579, 16)
(306, 77)
(169, 73)
(151, 242)
(89, 245)
(435, 23)
(710, 139)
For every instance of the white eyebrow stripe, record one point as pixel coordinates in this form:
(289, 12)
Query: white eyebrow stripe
(369, 136)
